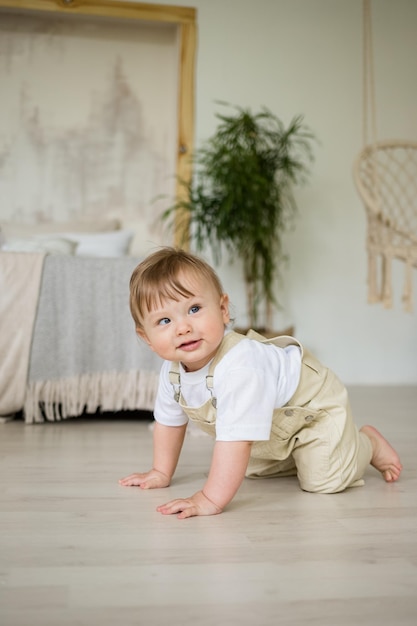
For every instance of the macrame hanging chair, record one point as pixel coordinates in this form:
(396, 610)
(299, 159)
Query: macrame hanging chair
(385, 175)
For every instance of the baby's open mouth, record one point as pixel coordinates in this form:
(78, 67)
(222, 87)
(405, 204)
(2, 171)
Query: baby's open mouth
(188, 345)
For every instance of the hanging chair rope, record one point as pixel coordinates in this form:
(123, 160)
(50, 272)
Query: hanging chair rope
(369, 106)
(385, 173)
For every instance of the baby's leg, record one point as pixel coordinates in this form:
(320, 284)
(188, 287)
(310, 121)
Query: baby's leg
(384, 457)
(270, 468)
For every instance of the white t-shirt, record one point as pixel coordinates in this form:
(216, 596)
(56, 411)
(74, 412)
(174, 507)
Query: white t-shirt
(250, 381)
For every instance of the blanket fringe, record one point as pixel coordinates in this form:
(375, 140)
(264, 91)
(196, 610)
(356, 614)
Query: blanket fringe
(54, 400)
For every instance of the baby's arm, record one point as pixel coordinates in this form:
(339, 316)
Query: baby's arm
(227, 471)
(167, 444)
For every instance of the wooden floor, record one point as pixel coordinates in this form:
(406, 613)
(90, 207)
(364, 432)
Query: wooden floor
(78, 549)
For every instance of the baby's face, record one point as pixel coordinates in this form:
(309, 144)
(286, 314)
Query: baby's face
(188, 329)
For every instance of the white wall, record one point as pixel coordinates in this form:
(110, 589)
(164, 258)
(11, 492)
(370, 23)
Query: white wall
(305, 56)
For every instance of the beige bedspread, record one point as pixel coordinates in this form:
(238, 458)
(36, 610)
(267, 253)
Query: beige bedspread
(20, 278)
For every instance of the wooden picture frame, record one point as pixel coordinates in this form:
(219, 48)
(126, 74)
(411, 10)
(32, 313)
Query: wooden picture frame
(184, 18)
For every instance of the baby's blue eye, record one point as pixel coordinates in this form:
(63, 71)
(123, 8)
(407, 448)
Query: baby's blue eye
(195, 308)
(164, 321)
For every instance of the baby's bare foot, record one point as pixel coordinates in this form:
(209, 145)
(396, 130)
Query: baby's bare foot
(384, 457)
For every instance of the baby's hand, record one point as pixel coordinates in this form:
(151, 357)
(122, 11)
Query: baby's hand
(198, 504)
(154, 479)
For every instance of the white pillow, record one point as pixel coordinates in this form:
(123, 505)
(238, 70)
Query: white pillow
(49, 245)
(113, 244)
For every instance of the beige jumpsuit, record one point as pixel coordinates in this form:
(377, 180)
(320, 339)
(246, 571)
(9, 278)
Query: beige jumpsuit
(312, 436)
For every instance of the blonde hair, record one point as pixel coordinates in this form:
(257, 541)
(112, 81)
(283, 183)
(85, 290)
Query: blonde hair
(158, 277)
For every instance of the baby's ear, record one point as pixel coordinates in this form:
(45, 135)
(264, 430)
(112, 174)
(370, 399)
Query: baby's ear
(142, 335)
(224, 307)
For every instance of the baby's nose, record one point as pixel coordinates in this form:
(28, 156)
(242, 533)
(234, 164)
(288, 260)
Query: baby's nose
(183, 326)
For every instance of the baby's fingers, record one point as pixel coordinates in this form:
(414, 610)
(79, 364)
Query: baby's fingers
(185, 508)
(134, 480)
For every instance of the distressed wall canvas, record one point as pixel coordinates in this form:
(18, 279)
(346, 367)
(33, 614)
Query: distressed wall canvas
(88, 118)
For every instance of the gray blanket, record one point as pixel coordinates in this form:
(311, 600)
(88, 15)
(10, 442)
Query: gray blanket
(84, 349)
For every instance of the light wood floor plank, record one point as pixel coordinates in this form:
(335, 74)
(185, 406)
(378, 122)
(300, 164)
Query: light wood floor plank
(76, 548)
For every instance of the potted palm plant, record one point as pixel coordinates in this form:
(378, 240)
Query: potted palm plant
(240, 198)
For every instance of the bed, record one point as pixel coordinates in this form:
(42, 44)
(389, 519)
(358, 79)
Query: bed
(67, 341)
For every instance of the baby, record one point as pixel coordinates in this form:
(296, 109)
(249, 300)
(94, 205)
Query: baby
(272, 407)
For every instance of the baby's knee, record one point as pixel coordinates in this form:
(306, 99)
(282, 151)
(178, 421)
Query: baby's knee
(321, 488)
(330, 485)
